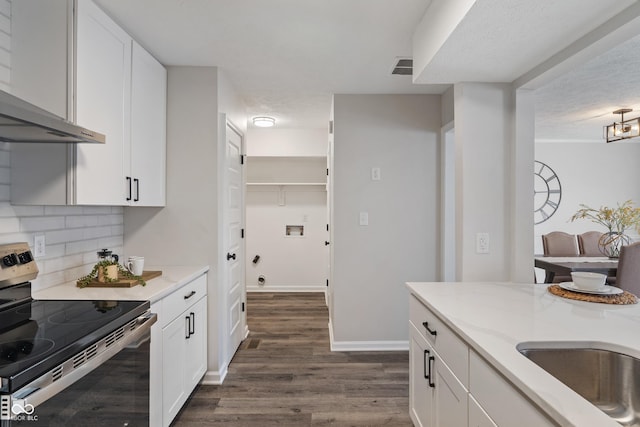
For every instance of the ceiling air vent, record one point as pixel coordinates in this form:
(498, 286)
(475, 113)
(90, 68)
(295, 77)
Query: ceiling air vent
(403, 67)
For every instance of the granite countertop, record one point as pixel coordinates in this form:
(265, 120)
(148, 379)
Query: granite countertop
(173, 277)
(494, 317)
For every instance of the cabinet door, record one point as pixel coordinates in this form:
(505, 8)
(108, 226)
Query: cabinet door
(103, 93)
(420, 393)
(196, 344)
(477, 416)
(450, 404)
(174, 358)
(148, 129)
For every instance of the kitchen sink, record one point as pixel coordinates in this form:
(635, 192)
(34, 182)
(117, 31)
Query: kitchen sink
(607, 379)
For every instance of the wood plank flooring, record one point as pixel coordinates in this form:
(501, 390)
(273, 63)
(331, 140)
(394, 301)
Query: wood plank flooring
(284, 374)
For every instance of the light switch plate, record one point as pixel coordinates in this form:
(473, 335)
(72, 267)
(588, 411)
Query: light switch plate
(482, 243)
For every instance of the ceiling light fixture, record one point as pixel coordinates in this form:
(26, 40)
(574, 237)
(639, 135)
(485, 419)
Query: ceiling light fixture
(264, 121)
(624, 129)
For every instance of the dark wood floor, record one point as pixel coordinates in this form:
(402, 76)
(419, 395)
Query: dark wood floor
(284, 374)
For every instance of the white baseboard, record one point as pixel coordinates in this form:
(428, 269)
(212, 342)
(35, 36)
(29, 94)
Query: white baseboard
(285, 288)
(214, 377)
(366, 345)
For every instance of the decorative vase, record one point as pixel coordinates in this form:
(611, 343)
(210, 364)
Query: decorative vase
(112, 273)
(611, 242)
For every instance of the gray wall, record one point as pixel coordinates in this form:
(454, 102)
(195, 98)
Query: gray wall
(398, 134)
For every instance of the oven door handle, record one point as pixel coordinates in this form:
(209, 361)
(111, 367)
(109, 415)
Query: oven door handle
(43, 388)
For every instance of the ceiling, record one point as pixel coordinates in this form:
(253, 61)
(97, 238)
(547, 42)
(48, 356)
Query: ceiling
(287, 57)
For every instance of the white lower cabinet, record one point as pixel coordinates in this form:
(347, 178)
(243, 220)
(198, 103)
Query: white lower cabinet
(437, 397)
(450, 385)
(179, 356)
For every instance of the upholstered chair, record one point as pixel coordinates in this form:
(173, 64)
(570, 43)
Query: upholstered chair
(559, 243)
(628, 277)
(588, 243)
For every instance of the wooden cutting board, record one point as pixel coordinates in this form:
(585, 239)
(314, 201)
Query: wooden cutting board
(124, 282)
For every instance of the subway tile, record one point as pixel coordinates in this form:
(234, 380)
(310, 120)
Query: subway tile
(5, 157)
(5, 7)
(117, 230)
(63, 210)
(81, 247)
(110, 219)
(61, 263)
(5, 192)
(117, 210)
(78, 221)
(97, 232)
(9, 225)
(7, 210)
(96, 210)
(13, 238)
(41, 223)
(5, 176)
(64, 236)
(25, 211)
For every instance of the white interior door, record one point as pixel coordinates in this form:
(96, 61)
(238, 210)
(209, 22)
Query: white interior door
(234, 242)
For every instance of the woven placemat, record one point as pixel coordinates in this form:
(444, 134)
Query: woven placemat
(623, 298)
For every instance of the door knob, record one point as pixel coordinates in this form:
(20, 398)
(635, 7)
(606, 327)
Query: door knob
(231, 256)
(326, 243)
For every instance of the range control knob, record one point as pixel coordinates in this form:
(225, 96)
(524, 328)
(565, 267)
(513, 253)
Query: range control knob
(25, 257)
(10, 260)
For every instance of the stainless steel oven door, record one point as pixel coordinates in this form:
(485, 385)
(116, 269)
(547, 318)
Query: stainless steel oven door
(104, 385)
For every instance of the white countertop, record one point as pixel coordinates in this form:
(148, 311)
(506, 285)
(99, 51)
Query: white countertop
(173, 277)
(493, 318)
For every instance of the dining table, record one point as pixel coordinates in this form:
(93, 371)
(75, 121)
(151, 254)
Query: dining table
(565, 265)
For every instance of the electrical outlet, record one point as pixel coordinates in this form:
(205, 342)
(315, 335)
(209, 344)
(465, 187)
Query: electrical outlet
(482, 243)
(364, 218)
(39, 246)
(375, 174)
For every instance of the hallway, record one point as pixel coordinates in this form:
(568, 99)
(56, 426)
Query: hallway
(285, 375)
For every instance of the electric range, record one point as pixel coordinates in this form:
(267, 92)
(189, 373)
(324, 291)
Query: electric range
(47, 345)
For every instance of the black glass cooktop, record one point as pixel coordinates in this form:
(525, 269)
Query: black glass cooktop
(39, 335)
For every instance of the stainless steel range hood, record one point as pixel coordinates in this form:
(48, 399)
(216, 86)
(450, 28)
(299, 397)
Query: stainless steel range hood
(21, 121)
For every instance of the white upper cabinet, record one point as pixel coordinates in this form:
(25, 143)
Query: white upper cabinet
(92, 72)
(148, 129)
(103, 104)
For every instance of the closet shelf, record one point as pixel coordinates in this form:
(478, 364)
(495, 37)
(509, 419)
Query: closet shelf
(286, 183)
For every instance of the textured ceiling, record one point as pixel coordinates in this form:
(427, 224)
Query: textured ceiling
(578, 104)
(285, 57)
(500, 40)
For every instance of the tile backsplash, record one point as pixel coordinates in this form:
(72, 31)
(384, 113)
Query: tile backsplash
(73, 234)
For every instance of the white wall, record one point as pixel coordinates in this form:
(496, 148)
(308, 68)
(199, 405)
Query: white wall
(288, 263)
(287, 142)
(73, 234)
(185, 232)
(399, 134)
(595, 174)
(483, 138)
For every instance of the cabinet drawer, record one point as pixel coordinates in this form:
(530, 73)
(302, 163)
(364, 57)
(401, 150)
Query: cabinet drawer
(176, 303)
(448, 345)
(500, 400)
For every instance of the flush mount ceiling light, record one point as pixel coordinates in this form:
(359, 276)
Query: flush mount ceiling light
(624, 129)
(264, 121)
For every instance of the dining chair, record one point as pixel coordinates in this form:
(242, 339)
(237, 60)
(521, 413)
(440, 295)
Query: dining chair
(559, 243)
(588, 243)
(628, 276)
